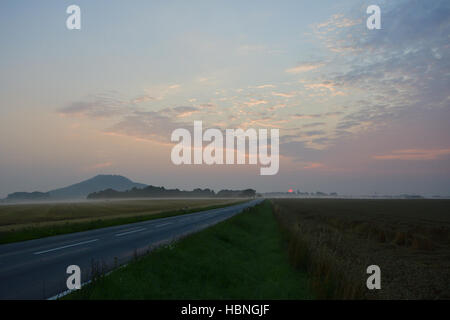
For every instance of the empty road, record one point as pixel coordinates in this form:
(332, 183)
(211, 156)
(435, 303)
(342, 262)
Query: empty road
(36, 269)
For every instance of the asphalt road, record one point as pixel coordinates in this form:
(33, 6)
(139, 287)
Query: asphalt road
(36, 269)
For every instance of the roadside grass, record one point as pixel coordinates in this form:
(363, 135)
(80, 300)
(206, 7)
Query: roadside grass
(244, 257)
(100, 219)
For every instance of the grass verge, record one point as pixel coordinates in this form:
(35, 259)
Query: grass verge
(241, 258)
(36, 232)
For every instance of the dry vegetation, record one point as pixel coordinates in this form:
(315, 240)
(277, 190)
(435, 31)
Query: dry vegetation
(336, 239)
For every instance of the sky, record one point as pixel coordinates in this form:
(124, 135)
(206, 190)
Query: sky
(359, 111)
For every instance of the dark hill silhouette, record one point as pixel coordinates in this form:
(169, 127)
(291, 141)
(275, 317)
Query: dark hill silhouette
(79, 190)
(97, 183)
(28, 196)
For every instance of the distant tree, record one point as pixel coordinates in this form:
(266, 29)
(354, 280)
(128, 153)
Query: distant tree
(249, 193)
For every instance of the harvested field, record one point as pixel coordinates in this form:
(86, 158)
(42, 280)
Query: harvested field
(335, 240)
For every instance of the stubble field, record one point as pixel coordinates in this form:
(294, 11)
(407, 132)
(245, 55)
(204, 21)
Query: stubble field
(335, 240)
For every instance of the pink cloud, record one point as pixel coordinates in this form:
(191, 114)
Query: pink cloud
(304, 68)
(255, 102)
(324, 86)
(414, 154)
(313, 165)
(99, 166)
(284, 95)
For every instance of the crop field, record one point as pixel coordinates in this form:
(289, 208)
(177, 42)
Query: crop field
(335, 240)
(29, 221)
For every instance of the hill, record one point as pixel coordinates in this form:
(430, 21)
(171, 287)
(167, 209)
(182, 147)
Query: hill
(28, 196)
(79, 190)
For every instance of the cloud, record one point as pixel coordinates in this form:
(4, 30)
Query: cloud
(299, 151)
(98, 166)
(313, 133)
(277, 106)
(327, 86)
(92, 109)
(157, 126)
(313, 165)
(317, 115)
(414, 154)
(103, 105)
(334, 23)
(391, 71)
(265, 122)
(149, 125)
(305, 116)
(207, 106)
(304, 68)
(255, 102)
(313, 124)
(143, 98)
(321, 141)
(371, 115)
(263, 86)
(160, 92)
(182, 111)
(129, 120)
(283, 95)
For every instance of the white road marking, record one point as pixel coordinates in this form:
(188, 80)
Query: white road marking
(68, 246)
(128, 232)
(164, 224)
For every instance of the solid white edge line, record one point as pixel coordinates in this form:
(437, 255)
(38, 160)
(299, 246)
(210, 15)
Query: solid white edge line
(65, 293)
